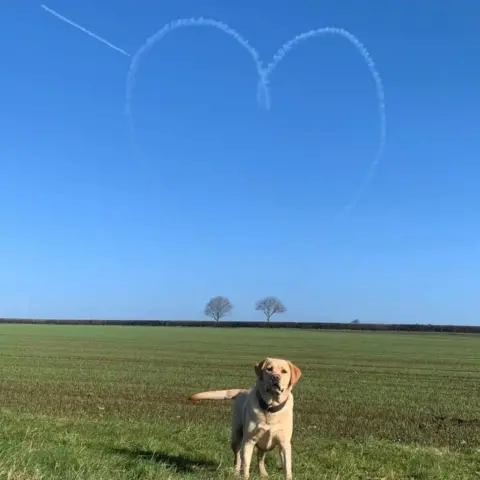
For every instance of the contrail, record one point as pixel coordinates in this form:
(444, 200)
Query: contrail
(84, 30)
(264, 74)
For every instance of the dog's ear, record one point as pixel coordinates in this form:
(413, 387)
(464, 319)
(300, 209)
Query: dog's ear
(295, 374)
(259, 368)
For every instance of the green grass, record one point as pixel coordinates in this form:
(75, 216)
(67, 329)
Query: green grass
(105, 403)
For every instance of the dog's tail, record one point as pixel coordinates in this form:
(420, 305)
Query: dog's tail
(218, 394)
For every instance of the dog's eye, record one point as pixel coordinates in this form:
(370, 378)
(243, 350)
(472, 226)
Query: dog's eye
(284, 371)
(269, 369)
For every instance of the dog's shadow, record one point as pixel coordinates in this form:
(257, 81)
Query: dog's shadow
(178, 463)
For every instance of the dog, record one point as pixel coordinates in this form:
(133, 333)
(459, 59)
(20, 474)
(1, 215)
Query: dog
(262, 416)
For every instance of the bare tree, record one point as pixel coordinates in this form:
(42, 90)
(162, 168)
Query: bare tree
(269, 306)
(218, 307)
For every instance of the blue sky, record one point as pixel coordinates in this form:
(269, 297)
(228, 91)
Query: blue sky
(224, 197)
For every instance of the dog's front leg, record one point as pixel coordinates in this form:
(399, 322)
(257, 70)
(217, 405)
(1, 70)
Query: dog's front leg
(247, 453)
(250, 439)
(286, 454)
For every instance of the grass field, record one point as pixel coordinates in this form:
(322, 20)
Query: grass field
(105, 403)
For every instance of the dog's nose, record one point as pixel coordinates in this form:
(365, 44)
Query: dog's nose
(276, 377)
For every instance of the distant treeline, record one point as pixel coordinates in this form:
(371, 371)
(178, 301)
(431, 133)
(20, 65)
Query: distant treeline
(229, 324)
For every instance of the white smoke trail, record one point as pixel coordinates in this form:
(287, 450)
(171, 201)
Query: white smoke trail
(286, 47)
(84, 30)
(263, 91)
(264, 74)
(170, 27)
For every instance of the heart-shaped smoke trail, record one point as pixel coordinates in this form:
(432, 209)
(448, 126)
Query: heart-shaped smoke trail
(264, 77)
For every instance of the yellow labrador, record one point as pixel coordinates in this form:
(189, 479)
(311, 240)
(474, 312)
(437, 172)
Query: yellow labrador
(262, 416)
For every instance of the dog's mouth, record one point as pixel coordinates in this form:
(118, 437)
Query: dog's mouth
(276, 388)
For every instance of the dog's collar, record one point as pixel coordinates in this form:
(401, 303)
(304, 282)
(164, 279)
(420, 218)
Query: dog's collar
(269, 408)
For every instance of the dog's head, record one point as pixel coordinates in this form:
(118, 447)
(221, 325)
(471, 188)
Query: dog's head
(277, 375)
